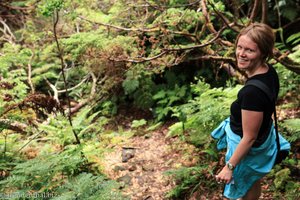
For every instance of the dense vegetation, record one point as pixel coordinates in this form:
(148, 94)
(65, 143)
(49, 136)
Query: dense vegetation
(67, 68)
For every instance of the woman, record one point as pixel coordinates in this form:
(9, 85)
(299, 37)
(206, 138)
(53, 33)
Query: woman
(249, 134)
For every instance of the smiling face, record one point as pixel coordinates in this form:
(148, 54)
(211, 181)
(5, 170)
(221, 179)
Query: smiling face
(249, 57)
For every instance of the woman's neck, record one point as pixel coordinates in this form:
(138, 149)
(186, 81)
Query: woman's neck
(260, 69)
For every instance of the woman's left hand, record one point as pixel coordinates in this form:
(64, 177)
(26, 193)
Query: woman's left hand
(225, 176)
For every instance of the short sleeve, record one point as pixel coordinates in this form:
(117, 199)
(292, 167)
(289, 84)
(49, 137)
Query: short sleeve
(253, 98)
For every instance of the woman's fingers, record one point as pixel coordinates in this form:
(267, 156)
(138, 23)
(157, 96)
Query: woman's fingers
(223, 179)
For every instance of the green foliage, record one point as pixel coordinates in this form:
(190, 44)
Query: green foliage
(284, 181)
(108, 108)
(49, 6)
(14, 58)
(294, 39)
(138, 123)
(289, 81)
(88, 186)
(58, 130)
(38, 173)
(178, 18)
(139, 86)
(166, 99)
(292, 127)
(86, 124)
(99, 38)
(288, 9)
(131, 83)
(281, 178)
(18, 91)
(58, 175)
(189, 180)
(204, 112)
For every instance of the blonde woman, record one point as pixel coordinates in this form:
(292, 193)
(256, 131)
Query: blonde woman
(248, 134)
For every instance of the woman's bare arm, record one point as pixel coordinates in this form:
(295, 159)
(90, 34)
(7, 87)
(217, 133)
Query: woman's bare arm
(251, 122)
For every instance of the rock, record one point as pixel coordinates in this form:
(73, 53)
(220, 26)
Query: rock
(149, 198)
(125, 179)
(127, 153)
(140, 180)
(119, 168)
(147, 136)
(148, 167)
(132, 168)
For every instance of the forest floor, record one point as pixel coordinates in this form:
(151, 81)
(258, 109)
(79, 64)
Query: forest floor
(140, 164)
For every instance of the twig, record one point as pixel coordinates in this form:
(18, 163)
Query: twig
(74, 87)
(92, 94)
(55, 96)
(56, 18)
(223, 18)
(140, 60)
(30, 140)
(7, 32)
(29, 72)
(200, 45)
(278, 13)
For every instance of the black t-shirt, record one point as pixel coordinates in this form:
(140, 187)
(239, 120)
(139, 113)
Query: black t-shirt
(252, 98)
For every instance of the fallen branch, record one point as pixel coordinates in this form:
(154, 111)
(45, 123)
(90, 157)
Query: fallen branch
(76, 86)
(55, 96)
(91, 96)
(13, 125)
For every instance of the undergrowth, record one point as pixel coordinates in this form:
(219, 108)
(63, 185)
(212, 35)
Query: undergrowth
(202, 115)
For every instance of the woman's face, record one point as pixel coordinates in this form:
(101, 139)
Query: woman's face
(248, 55)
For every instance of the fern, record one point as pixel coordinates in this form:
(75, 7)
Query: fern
(88, 187)
(131, 83)
(167, 99)
(292, 127)
(190, 179)
(58, 176)
(294, 39)
(204, 112)
(40, 172)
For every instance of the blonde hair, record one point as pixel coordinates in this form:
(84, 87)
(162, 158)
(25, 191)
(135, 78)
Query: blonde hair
(262, 35)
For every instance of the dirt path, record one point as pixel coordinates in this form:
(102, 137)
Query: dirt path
(140, 164)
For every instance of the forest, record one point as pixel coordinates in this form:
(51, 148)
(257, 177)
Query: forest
(116, 99)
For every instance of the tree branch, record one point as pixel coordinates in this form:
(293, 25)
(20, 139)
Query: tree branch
(286, 61)
(200, 45)
(254, 10)
(264, 11)
(215, 58)
(60, 54)
(208, 23)
(143, 30)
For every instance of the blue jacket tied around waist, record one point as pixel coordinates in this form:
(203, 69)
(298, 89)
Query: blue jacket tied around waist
(256, 164)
